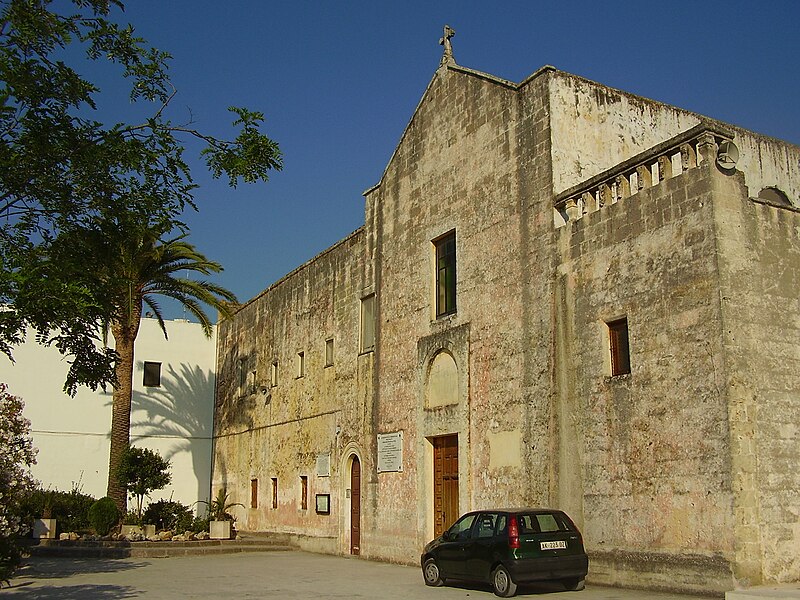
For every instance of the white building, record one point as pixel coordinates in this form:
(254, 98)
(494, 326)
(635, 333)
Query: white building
(173, 417)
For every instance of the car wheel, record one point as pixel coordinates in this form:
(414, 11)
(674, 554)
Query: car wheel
(502, 583)
(430, 573)
(574, 584)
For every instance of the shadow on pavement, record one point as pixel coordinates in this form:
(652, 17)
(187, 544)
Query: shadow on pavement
(56, 568)
(532, 589)
(75, 592)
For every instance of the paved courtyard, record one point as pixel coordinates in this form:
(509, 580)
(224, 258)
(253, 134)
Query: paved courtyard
(260, 575)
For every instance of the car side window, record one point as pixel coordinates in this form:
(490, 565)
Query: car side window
(486, 525)
(502, 525)
(461, 529)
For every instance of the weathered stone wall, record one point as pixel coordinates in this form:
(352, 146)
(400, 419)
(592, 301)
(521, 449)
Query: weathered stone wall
(648, 452)
(596, 127)
(474, 160)
(759, 257)
(264, 432)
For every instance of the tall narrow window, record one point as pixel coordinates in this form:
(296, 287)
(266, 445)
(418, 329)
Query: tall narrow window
(274, 492)
(301, 364)
(304, 492)
(368, 323)
(620, 349)
(446, 274)
(329, 352)
(152, 374)
(273, 374)
(254, 493)
(242, 375)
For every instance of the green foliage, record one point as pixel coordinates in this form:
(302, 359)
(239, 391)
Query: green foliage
(17, 455)
(199, 524)
(69, 509)
(167, 514)
(10, 557)
(64, 173)
(103, 515)
(218, 508)
(131, 517)
(142, 471)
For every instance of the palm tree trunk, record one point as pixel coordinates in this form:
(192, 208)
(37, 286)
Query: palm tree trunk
(124, 338)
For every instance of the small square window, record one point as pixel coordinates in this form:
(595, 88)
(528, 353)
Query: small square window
(301, 364)
(619, 346)
(254, 493)
(329, 352)
(152, 374)
(273, 374)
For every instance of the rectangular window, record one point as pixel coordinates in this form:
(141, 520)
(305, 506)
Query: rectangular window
(242, 375)
(254, 493)
(329, 352)
(446, 274)
(620, 349)
(368, 323)
(274, 492)
(152, 374)
(273, 374)
(301, 364)
(304, 492)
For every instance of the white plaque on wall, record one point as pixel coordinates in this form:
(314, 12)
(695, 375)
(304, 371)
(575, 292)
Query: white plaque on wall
(390, 452)
(323, 465)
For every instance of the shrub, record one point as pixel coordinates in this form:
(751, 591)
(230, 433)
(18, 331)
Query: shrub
(199, 524)
(103, 515)
(142, 471)
(70, 509)
(17, 454)
(166, 514)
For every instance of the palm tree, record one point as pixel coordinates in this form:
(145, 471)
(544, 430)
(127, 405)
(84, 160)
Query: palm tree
(134, 267)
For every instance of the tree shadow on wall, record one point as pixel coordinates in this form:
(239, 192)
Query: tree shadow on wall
(234, 412)
(181, 409)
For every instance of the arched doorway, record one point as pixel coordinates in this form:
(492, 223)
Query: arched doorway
(355, 506)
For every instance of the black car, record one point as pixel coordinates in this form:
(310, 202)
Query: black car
(508, 547)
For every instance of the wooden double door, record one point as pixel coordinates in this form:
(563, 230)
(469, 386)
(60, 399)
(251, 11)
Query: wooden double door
(445, 482)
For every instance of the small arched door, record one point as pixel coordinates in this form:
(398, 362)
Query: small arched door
(355, 506)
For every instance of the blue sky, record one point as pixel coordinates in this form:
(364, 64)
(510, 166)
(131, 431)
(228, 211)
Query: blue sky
(339, 81)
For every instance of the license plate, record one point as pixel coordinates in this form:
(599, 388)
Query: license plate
(558, 545)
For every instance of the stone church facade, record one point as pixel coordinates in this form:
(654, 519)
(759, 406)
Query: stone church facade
(563, 295)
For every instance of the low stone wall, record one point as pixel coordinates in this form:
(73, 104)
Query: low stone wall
(692, 573)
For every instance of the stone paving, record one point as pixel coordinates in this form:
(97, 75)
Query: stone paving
(292, 575)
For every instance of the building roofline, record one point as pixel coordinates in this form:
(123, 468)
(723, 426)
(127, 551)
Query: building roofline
(466, 71)
(293, 272)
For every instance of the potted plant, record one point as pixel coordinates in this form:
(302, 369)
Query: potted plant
(221, 521)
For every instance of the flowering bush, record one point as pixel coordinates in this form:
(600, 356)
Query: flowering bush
(17, 454)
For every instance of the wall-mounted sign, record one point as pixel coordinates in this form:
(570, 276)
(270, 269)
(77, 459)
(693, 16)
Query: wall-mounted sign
(323, 465)
(390, 452)
(323, 504)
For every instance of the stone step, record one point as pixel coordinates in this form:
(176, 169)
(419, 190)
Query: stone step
(791, 591)
(126, 549)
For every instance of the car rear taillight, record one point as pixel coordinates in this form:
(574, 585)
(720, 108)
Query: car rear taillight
(513, 533)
